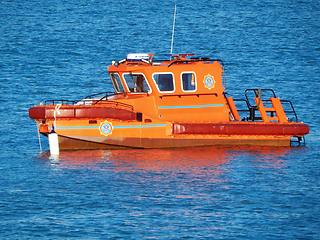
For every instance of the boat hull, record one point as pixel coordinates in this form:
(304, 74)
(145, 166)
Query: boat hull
(67, 143)
(133, 134)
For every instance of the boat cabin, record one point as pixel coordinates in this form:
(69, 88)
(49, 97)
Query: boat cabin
(176, 89)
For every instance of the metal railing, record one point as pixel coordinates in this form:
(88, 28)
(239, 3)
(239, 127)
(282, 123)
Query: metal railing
(91, 100)
(253, 108)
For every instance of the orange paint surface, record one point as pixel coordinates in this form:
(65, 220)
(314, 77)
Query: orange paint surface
(152, 99)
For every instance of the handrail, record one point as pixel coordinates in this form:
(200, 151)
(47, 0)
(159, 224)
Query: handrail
(86, 99)
(90, 101)
(195, 60)
(102, 103)
(62, 101)
(117, 104)
(251, 109)
(106, 93)
(188, 95)
(255, 92)
(293, 111)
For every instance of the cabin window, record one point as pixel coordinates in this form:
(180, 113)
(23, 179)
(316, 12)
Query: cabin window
(136, 82)
(164, 81)
(188, 81)
(117, 84)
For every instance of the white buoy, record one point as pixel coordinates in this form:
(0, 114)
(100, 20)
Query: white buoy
(53, 143)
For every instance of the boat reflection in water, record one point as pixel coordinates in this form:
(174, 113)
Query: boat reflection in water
(211, 159)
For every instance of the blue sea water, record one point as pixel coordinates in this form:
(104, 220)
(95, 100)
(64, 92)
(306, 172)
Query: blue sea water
(61, 49)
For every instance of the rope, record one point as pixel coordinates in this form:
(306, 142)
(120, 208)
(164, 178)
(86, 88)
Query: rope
(38, 128)
(55, 115)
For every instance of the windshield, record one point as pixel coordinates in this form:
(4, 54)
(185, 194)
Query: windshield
(136, 82)
(117, 84)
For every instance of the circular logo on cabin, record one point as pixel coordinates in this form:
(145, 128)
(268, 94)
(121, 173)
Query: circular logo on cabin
(209, 81)
(106, 128)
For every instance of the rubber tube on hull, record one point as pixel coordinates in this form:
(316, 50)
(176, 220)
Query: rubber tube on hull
(247, 128)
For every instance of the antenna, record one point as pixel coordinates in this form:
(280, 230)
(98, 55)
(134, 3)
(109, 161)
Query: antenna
(174, 20)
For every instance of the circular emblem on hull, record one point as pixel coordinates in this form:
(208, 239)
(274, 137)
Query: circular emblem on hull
(106, 128)
(209, 81)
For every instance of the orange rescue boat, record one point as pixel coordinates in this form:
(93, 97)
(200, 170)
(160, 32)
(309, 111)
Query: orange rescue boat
(178, 102)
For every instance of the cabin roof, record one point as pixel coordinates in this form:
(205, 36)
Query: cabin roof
(147, 59)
